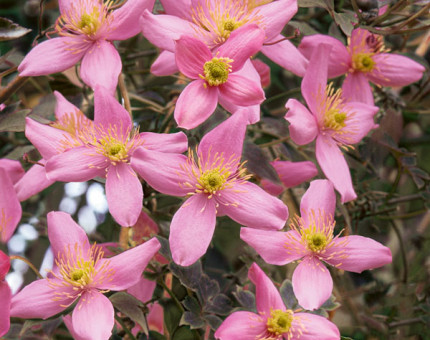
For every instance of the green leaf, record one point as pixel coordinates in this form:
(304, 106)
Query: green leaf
(9, 30)
(287, 294)
(172, 315)
(195, 321)
(327, 4)
(258, 164)
(213, 321)
(221, 304)
(191, 304)
(131, 307)
(345, 21)
(245, 298)
(184, 333)
(189, 276)
(13, 121)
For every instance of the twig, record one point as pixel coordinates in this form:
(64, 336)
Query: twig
(124, 94)
(12, 87)
(33, 268)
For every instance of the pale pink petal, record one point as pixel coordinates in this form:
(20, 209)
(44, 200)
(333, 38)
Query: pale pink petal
(243, 200)
(93, 316)
(319, 198)
(155, 318)
(36, 300)
(274, 246)
(4, 265)
(195, 104)
(263, 70)
(356, 88)
(63, 107)
(241, 325)
(276, 15)
(358, 42)
(294, 173)
(334, 166)
(76, 165)
(64, 5)
(51, 56)
(357, 253)
(395, 70)
(64, 233)
(162, 171)
(165, 142)
(126, 19)
(285, 54)
(267, 296)
(129, 265)
(101, 65)
(340, 59)
(179, 8)
(5, 297)
(165, 64)
(241, 91)
(242, 44)
(13, 169)
(271, 188)
(163, 30)
(191, 54)
(124, 194)
(33, 182)
(10, 208)
(143, 289)
(191, 229)
(69, 324)
(312, 283)
(303, 126)
(306, 326)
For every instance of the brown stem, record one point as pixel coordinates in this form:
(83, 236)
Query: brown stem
(12, 87)
(124, 94)
(33, 268)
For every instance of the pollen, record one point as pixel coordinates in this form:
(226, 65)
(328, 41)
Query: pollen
(216, 71)
(280, 322)
(213, 180)
(315, 241)
(363, 62)
(89, 23)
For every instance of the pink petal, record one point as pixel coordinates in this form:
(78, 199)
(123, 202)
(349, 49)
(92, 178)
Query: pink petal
(179, 8)
(395, 70)
(143, 289)
(10, 208)
(241, 91)
(263, 70)
(65, 233)
(93, 316)
(69, 324)
(126, 19)
(271, 188)
(13, 169)
(307, 326)
(4, 265)
(124, 194)
(358, 42)
(155, 318)
(191, 229)
(274, 246)
(165, 142)
(101, 65)
(319, 198)
(245, 199)
(334, 166)
(357, 253)
(241, 325)
(266, 295)
(129, 265)
(78, 164)
(312, 283)
(5, 297)
(294, 173)
(51, 56)
(64, 5)
(276, 15)
(242, 44)
(339, 60)
(191, 54)
(63, 107)
(162, 171)
(285, 54)
(356, 88)
(33, 182)
(165, 64)
(303, 126)
(195, 104)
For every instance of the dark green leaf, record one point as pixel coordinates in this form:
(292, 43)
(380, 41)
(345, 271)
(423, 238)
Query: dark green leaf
(221, 304)
(345, 21)
(327, 4)
(258, 164)
(172, 315)
(191, 304)
(245, 298)
(193, 320)
(14, 121)
(207, 288)
(9, 30)
(184, 333)
(213, 321)
(130, 307)
(189, 276)
(287, 294)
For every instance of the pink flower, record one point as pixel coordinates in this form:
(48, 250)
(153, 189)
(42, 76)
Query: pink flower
(215, 76)
(312, 240)
(365, 59)
(5, 294)
(77, 149)
(274, 320)
(81, 274)
(216, 184)
(330, 120)
(86, 28)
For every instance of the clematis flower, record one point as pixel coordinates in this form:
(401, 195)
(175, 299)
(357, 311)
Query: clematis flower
(10, 208)
(5, 294)
(312, 239)
(213, 22)
(364, 59)
(216, 184)
(81, 274)
(86, 29)
(274, 320)
(215, 76)
(332, 121)
(77, 149)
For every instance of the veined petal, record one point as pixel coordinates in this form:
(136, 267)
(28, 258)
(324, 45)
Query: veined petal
(10, 208)
(195, 104)
(165, 64)
(5, 297)
(129, 265)
(266, 295)
(179, 8)
(63, 106)
(69, 324)
(294, 173)
(356, 88)
(143, 289)
(101, 65)
(191, 54)
(124, 194)
(93, 316)
(357, 253)
(241, 325)
(241, 91)
(165, 142)
(307, 326)
(242, 201)
(276, 15)
(33, 182)
(303, 126)
(312, 283)
(13, 169)
(272, 245)
(191, 229)
(319, 198)
(334, 166)
(51, 56)
(160, 170)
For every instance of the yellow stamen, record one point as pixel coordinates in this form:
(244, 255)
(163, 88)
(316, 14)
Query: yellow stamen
(216, 71)
(363, 62)
(280, 321)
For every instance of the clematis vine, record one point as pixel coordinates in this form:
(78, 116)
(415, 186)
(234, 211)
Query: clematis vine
(216, 184)
(86, 29)
(5, 294)
(334, 123)
(273, 320)
(312, 239)
(77, 149)
(82, 274)
(364, 59)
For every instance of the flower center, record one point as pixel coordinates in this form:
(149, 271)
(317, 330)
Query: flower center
(213, 180)
(363, 62)
(89, 23)
(315, 241)
(279, 321)
(216, 71)
(334, 119)
(332, 110)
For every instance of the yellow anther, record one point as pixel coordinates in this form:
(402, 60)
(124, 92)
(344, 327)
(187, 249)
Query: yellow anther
(216, 71)
(363, 62)
(280, 321)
